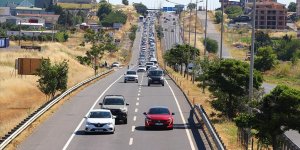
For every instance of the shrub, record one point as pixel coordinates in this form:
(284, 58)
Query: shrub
(211, 45)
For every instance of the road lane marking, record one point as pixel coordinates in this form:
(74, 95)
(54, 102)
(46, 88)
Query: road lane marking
(134, 118)
(137, 103)
(132, 128)
(136, 110)
(137, 98)
(79, 125)
(139, 91)
(130, 141)
(139, 94)
(182, 117)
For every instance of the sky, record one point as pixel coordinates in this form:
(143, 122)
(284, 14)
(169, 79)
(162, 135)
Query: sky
(212, 4)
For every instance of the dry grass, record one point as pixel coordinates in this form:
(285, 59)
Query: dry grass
(74, 5)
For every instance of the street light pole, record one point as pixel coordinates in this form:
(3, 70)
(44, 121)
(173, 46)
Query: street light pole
(205, 34)
(222, 30)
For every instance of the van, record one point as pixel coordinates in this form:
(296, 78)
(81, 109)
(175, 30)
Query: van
(154, 60)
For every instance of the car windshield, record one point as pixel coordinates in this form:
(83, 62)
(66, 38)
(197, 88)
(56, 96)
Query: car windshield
(115, 63)
(131, 72)
(100, 114)
(141, 66)
(156, 73)
(159, 111)
(151, 63)
(113, 101)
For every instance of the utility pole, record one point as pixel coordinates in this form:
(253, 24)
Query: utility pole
(20, 33)
(251, 64)
(222, 30)
(195, 41)
(190, 20)
(205, 34)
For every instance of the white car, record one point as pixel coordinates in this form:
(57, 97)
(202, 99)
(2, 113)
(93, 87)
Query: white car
(131, 75)
(115, 64)
(141, 68)
(100, 120)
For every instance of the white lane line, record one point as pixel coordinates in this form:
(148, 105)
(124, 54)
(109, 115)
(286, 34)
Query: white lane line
(130, 141)
(137, 103)
(134, 118)
(139, 91)
(137, 98)
(136, 110)
(132, 128)
(182, 118)
(139, 94)
(79, 125)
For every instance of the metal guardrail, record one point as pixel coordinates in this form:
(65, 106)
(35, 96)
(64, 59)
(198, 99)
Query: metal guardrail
(212, 131)
(31, 118)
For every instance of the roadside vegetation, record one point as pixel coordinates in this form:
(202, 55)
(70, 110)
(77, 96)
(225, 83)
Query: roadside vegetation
(22, 95)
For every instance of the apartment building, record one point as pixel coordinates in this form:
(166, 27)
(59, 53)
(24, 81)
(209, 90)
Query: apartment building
(270, 15)
(298, 7)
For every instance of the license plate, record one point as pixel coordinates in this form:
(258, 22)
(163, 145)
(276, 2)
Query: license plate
(98, 130)
(159, 124)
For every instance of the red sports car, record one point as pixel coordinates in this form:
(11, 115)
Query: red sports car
(159, 117)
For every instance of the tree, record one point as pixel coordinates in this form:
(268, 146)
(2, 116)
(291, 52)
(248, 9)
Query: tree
(265, 59)
(218, 17)
(191, 6)
(292, 7)
(140, 8)
(211, 45)
(262, 40)
(234, 11)
(125, 2)
(279, 112)
(53, 78)
(114, 17)
(104, 9)
(228, 80)
(288, 49)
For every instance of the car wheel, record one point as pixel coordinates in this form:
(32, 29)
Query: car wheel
(163, 84)
(148, 84)
(125, 81)
(137, 81)
(125, 121)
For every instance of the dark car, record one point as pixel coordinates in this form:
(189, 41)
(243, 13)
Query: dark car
(116, 104)
(156, 77)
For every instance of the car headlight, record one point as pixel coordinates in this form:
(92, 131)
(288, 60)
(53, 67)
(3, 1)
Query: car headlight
(170, 120)
(161, 77)
(150, 78)
(88, 123)
(110, 123)
(148, 120)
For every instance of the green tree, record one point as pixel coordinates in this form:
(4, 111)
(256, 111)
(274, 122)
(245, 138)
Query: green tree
(218, 17)
(104, 9)
(265, 59)
(191, 6)
(133, 32)
(140, 8)
(228, 80)
(288, 49)
(292, 7)
(262, 40)
(53, 78)
(211, 45)
(234, 11)
(279, 112)
(114, 17)
(125, 2)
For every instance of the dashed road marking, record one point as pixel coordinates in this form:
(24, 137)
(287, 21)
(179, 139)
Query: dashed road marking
(139, 91)
(139, 94)
(138, 98)
(132, 128)
(137, 103)
(134, 118)
(136, 110)
(130, 141)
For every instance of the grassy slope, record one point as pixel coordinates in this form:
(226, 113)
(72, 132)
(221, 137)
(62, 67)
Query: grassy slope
(19, 96)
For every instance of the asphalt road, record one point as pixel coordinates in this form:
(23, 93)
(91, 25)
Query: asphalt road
(172, 33)
(64, 129)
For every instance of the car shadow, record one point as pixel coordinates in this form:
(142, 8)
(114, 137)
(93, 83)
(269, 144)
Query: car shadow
(83, 133)
(142, 128)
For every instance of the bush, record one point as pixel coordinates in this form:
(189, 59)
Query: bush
(218, 17)
(114, 17)
(211, 45)
(61, 36)
(233, 11)
(265, 59)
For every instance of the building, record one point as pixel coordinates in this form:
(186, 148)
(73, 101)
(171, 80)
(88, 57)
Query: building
(270, 15)
(8, 3)
(4, 11)
(44, 3)
(46, 19)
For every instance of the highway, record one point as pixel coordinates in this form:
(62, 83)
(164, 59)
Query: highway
(65, 128)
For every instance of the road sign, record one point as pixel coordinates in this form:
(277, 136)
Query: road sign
(165, 8)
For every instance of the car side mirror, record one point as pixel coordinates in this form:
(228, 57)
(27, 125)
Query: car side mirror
(85, 117)
(100, 104)
(127, 104)
(145, 113)
(114, 117)
(173, 113)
